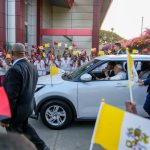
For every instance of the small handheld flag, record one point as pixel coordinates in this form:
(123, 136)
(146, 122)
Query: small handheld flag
(117, 129)
(4, 105)
(47, 45)
(101, 53)
(54, 70)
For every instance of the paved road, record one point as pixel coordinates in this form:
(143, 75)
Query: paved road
(76, 137)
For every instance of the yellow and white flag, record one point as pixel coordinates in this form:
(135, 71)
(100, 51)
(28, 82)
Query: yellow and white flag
(132, 73)
(117, 129)
(101, 53)
(47, 45)
(135, 51)
(53, 70)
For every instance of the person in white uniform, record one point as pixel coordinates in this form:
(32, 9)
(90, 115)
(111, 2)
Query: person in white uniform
(41, 67)
(65, 65)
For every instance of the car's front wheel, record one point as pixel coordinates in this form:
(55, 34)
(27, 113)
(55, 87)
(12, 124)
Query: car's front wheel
(56, 114)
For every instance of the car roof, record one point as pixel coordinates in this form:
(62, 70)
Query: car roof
(123, 57)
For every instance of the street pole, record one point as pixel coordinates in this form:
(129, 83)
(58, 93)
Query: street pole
(142, 25)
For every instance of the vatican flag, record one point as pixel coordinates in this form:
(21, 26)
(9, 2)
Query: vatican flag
(132, 73)
(53, 70)
(117, 129)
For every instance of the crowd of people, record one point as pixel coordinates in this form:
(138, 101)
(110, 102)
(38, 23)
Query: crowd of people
(43, 59)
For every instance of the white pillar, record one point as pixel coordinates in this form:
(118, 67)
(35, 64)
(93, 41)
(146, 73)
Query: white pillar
(10, 21)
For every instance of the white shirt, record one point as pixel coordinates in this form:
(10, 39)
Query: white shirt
(40, 67)
(16, 60)
(65, 64)
(74, 65)
(120, 76)
(83, 62)
(4, 69)
(58, 63)
(138, 66)
(48, 64)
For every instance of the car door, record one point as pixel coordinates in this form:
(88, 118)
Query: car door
(139, 96)
(140, 92)
(91, 93)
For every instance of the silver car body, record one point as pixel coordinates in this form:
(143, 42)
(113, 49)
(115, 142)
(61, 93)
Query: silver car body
(86, 96)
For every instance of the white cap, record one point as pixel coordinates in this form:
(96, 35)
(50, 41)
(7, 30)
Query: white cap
(119, 66)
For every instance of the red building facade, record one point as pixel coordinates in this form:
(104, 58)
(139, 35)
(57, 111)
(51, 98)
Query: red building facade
(34, 20)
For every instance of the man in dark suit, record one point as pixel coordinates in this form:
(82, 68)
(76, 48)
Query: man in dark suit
(118, 49)
(20, 83)
(147, 102)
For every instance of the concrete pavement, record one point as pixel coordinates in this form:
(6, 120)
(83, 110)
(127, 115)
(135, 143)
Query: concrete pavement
(76, 137)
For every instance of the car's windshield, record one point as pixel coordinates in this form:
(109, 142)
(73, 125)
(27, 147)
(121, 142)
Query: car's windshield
(81, 69)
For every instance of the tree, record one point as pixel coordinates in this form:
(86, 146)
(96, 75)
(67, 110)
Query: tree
(108, 37)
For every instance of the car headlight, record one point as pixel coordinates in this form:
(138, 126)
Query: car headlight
(39, 87)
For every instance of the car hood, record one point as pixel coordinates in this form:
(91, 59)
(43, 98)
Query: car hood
(56, 79)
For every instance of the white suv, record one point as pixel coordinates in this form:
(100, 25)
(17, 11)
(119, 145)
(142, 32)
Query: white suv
(77, 95)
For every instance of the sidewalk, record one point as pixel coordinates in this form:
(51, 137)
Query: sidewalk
(76, 137)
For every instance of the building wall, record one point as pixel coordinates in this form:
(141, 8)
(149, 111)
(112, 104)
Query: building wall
(20, 20)
(32, 23)
(10, 15)
(46, 14)
(80, 16)
(46, 19)
(42, 15)
(2, 23)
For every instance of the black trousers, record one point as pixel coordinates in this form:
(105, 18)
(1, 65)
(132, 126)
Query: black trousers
(26, 129)
(147, 104)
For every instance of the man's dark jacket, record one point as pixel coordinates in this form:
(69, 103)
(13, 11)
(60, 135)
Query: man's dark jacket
(20, 83)
(147, 82)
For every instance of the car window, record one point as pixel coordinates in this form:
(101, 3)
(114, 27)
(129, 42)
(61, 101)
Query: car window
(143, 69)
(83, 68)
(110, 70)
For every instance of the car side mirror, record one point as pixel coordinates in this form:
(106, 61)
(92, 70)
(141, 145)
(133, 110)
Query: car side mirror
(86, 77)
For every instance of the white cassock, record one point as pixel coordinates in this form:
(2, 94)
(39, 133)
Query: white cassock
(120, 76)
